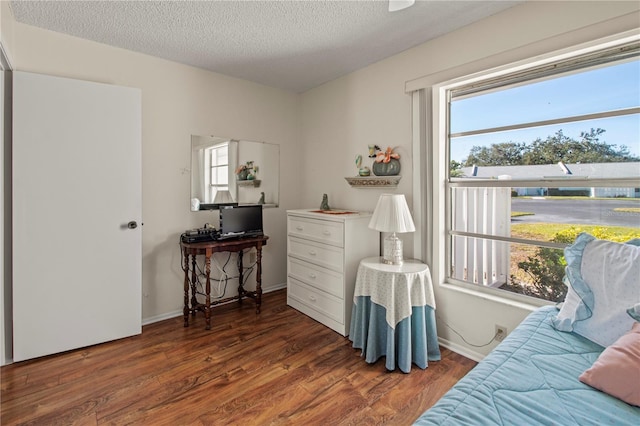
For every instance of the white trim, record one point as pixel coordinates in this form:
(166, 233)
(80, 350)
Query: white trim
(516, 300)
(5, 62)
(434, 128)
(422, 169)
(158, 318)
(467, 351)
(512, 60)
(274, 287)
(562, 120)
(508, 239)
(544, 59)
(461, 350)
(572, 181)
(438, 187)
(506, 71)
(6, 291)
(178, 313)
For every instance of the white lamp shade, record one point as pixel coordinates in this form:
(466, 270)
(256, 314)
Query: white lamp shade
(392, 214)
(223, 197)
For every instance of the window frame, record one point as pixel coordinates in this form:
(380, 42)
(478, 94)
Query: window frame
(210, 167)
(441, 97)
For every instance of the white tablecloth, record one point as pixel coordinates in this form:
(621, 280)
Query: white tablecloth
(396, 288)
(394, 314)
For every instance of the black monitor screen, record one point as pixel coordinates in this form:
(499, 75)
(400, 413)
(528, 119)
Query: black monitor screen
(241, 220)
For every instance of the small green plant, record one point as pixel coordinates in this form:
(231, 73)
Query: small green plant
(545, 269)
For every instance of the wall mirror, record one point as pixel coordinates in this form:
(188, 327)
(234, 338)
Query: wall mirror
(230, 171)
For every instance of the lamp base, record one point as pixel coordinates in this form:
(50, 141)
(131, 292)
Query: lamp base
(392, 251)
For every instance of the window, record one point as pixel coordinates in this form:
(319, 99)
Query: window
(536, 156)
(217, 163)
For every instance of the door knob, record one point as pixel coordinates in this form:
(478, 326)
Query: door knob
(132, 225)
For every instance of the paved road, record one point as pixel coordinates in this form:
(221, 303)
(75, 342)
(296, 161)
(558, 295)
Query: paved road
(590, 212)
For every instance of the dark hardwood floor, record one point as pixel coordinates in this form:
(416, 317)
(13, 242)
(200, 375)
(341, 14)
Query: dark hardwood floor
(279, 367)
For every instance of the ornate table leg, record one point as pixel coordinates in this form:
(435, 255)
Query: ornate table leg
(258, 277)
(240, 278)
(194, 281)
(207, 306)
(185, 268)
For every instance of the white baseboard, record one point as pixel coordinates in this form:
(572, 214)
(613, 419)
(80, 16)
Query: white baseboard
(462, 350)
(173, 314)
(158, 318)
(274, 287)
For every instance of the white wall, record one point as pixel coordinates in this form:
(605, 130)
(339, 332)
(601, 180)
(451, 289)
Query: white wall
(178, 101)
(342, 117)
(320, 132)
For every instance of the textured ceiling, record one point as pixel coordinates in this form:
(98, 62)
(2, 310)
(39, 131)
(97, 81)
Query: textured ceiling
(293, 45)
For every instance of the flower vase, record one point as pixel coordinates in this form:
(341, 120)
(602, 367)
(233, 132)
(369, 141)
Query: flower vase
(392, 168)
(242, 175)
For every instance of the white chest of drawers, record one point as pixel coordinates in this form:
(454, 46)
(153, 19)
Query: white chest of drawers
(323, 253)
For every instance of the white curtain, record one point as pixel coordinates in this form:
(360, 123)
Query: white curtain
(423, 175)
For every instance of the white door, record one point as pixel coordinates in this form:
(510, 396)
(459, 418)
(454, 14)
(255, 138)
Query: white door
(76, 186)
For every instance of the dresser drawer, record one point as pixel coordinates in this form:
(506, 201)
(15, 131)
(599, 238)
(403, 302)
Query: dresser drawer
(316, 276)
(317, 230)
(324, 303)
(319, 254)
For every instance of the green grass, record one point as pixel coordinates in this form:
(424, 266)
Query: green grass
(563, 197)
(546, 231)
(517, 214)
(627, 210)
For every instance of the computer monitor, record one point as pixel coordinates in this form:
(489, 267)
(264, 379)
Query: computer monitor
(241, 221)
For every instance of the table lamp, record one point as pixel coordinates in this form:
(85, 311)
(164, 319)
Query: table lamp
(223, 197)
(392, 215)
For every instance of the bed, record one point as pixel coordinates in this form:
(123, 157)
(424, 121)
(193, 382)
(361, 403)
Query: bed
(533, 376)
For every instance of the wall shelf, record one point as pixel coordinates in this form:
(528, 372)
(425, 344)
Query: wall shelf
(249, 182)
(373, 181)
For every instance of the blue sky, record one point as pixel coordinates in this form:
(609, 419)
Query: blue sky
(602, 89)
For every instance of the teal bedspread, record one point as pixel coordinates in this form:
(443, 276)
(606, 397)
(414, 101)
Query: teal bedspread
(531, 378)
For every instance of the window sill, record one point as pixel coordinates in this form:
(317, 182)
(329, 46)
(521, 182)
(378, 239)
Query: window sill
(510, 299)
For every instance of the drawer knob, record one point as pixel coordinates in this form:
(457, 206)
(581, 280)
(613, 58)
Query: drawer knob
(325, 232)
(312, 252)
(312, 298)
(300, 228)
(312, 275)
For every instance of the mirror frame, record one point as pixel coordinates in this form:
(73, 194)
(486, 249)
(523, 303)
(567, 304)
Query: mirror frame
(260, 186)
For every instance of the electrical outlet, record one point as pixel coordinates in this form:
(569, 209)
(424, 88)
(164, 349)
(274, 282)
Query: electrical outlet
(252, 257)
(501, 333)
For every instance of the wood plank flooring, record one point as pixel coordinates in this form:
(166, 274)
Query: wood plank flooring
(279, 367)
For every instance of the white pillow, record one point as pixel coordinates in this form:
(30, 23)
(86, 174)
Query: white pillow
(604, 280)
(572, 308)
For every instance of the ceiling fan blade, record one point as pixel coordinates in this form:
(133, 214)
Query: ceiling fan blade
(395, 5)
